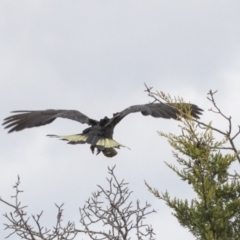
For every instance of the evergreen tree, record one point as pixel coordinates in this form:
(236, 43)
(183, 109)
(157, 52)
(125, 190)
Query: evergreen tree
(205, 165)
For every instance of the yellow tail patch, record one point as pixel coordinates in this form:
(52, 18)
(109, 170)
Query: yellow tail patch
(73, 138)
(108, 143)
(79, 138)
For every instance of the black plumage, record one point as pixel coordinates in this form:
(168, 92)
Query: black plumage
(100, 133)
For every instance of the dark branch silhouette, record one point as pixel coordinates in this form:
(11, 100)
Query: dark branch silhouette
(228, 135)
(107, 214)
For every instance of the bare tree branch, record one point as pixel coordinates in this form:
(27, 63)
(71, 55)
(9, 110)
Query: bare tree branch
(228, 135)
(107, 209)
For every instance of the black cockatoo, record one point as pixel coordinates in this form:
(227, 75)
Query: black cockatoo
(100, 133)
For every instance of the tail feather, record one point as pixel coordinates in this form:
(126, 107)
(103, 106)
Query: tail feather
(108, 143)
(92, 139)
(72, 139)
(80, 138)
(104, 145)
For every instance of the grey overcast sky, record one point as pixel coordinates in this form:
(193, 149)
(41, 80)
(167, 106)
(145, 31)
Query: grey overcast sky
(94, 56)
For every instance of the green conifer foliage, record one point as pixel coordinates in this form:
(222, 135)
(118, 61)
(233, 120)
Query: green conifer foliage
(205, 163)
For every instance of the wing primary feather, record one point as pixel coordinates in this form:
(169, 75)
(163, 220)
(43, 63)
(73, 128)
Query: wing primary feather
(28, 119)
(158, 110)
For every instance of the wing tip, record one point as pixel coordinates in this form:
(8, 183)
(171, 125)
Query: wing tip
(52, 135)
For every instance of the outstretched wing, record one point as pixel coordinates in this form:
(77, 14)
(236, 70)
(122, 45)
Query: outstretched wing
(28, 119)
(158, 110)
